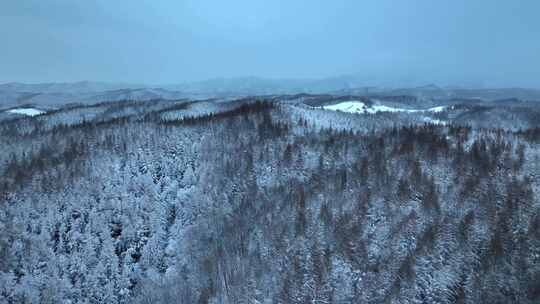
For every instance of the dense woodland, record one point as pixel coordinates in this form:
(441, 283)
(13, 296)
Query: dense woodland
(265, 202)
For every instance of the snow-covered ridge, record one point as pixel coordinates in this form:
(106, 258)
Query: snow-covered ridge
(359, 107)
(26, 111)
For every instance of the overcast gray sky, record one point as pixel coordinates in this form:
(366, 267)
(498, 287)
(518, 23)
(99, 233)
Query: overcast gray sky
(490, 42)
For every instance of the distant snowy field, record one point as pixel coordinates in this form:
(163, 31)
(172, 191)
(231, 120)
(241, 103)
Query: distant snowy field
(359, 107)
(26, 111)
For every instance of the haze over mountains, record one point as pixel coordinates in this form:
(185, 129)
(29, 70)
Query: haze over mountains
(87, 92)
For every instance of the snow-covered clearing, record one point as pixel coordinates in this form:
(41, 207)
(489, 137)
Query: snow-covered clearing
(359, 107)
(26, 111)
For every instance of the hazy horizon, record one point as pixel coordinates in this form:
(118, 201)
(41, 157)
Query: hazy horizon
(374, 84)
(458, 43)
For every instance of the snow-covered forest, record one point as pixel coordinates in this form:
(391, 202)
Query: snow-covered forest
(269, 200)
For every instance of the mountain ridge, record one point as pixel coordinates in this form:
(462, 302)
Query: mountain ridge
(87, 92)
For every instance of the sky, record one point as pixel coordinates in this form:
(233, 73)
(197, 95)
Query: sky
(458, 42)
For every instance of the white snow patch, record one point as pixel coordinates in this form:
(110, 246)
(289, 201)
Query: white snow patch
(383, 108)
(349, 107)
(437, 109)
(26, 111)
(359, 107)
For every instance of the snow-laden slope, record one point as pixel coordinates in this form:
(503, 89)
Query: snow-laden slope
(435, 121)
(359, 107)
(437, 109)
(349, 107)
(26, 111)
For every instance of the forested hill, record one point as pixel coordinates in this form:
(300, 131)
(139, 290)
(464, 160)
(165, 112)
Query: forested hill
(266, 202)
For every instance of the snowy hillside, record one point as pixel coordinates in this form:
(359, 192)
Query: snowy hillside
(270, 201)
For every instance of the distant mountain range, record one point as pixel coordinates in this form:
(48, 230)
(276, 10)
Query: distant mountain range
(51, 94)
